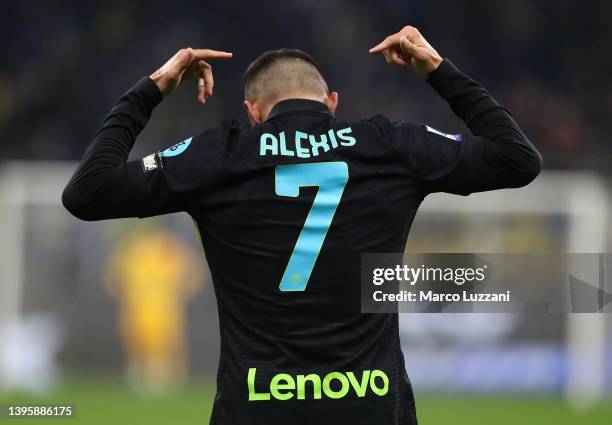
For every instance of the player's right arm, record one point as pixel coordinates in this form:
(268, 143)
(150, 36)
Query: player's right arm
(105, 185)
(496, 155)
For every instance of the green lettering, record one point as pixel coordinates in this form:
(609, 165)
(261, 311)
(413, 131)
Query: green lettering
(360, 387)
(254, 395)
(385, 379)
(316, 386)
(332, 393)
(279, 382)
(285, 387)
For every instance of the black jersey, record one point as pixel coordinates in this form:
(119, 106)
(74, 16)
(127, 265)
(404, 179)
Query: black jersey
(285, 209)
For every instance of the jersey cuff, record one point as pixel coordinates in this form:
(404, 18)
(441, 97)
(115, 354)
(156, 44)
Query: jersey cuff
(444, 77)
(148, 92)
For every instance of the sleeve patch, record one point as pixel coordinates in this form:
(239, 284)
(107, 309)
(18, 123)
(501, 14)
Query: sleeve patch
(149, 162)
(177, 149)
(455, 137)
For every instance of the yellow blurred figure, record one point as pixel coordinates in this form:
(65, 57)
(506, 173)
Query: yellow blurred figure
(152, 275)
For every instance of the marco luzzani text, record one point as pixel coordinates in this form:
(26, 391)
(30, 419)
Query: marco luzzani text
(441, 277)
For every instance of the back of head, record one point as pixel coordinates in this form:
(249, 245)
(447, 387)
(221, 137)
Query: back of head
(280, 74)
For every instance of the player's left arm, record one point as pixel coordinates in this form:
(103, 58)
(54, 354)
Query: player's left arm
(105, 185)
(496, 154)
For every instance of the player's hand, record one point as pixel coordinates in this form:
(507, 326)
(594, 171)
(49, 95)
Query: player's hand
(188, 64)
(409, 49)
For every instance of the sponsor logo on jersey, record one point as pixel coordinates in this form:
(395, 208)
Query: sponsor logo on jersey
(334, 385)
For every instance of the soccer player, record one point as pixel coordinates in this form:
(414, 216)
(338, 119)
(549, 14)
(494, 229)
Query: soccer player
(285, 208)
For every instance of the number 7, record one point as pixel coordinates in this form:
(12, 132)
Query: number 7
(331, 178)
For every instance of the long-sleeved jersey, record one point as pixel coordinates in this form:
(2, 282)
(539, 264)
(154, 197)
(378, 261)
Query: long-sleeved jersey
(285, 209)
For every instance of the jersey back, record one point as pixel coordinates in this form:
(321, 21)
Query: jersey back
(295, 204)
(285, 210)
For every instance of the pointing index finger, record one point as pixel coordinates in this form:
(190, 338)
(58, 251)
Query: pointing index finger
(385, 44)
(211, 54)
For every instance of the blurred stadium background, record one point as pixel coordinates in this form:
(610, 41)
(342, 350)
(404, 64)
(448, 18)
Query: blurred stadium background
(69, 330)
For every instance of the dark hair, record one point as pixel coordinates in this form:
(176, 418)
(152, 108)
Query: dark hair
(268, 58)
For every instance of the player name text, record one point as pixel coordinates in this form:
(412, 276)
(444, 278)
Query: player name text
(304, 145)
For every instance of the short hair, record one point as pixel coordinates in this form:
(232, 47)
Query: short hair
(280, 71)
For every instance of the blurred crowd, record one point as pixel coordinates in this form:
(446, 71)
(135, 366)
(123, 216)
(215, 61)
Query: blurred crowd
(63, 64)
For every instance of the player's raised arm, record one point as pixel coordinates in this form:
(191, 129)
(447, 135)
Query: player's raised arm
(102, 187)
(496, 155)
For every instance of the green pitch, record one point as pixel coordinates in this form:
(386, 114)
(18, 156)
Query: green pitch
(103, 401)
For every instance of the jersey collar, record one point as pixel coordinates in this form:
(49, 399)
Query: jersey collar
(299, 105)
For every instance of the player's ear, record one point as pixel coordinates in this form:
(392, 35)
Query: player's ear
(253, 112)
(332, 101)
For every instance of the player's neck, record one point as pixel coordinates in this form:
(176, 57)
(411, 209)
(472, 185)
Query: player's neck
(294, 95)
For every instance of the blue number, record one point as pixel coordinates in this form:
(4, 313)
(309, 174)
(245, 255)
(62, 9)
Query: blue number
(330, 177)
